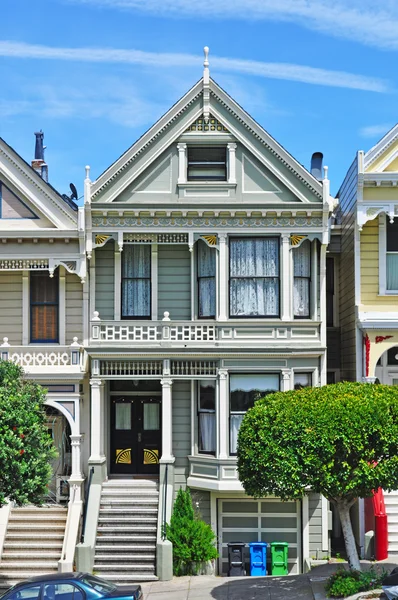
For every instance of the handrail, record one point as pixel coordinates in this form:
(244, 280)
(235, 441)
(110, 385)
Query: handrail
(164, 522)
(86, 505)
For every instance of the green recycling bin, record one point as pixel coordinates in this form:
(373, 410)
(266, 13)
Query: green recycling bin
(279, 552)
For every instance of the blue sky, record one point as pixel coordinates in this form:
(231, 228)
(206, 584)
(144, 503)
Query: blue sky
(95, 74)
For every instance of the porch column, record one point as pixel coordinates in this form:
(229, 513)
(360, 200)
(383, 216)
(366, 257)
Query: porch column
(286, 383)
(167, 421)
(223, 278)
(222, 413)
(76, 456)
(286, 278)
(97, 420)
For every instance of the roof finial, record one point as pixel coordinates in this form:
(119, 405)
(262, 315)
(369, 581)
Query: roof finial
(206, 73)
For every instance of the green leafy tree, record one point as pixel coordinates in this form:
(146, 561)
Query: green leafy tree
(25, 445)
(338, 440)
(192, 539)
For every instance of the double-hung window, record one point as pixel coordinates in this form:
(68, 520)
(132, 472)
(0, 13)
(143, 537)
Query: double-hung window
(136, 281)
(207, 416)
(244, 390)
(44, 307)
(302, 280)
(392, 256)
(206, 272)
(207, 164)
(254, 277)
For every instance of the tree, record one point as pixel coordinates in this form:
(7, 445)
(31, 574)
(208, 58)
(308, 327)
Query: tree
(338, 440)
(25, 445)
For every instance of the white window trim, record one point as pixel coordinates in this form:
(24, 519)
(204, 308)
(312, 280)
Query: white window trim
(383, 258)
(61, 309)
(183, 165)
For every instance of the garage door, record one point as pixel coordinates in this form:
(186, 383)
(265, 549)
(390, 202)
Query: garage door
(265, 520)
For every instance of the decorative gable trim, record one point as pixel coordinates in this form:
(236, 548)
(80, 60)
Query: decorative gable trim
(382, 146)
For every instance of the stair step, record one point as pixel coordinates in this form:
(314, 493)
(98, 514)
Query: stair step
(141, 538)
(28, 544)
(34, 527)
(127, 579)
(130, 567)
(123, 548)
(29, 565)
(124, 556)
(120, 520)
(130, 491)
(130, 502)
(129, 511)
(7, 556)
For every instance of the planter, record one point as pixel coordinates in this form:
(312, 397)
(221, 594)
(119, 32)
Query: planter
(207, 567)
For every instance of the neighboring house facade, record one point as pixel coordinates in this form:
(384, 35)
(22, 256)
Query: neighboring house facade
(205, 289)
(368, 313)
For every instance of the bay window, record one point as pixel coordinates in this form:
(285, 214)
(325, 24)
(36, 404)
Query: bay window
(245, 389)
(302, 280)
(254, 277)
(392, 256)
(136, 281)
(206, 272)
(207, 416)
(44, 307)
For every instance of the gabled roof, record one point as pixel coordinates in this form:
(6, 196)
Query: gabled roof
(61, 211)
(236, 111)
(372, 155)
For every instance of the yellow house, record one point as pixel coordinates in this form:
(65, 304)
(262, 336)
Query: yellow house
(369, 253)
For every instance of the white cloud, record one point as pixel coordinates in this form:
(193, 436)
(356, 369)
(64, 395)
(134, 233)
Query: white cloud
(375, 131)
(285, 71)
(370, 22)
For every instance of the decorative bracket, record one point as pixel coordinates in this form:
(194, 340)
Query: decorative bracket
(368, 213)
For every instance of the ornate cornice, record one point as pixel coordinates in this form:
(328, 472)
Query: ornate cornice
(216, 222)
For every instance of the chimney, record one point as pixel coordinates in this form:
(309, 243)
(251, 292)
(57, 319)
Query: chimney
(38, 163)
(316, 165)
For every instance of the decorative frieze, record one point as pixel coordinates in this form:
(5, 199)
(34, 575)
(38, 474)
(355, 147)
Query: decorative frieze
(193, 368)
(30, 264)
(211, 124)
(213, 222)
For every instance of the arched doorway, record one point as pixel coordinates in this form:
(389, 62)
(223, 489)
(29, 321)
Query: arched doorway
(60, 431)
(386, 370)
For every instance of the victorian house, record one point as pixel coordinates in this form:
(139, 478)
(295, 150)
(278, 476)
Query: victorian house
(205, 290)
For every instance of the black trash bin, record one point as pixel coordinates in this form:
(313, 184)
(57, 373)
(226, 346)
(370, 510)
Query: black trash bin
(236, 561)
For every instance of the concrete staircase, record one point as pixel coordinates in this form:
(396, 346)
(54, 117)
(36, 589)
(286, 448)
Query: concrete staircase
(33, 543)
(125, 550)
(391, 503)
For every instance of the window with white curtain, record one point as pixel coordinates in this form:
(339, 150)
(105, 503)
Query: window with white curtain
(392, 255)
(206, 270)
(302, 280)
(207, 416)
(136, 281)
(254, 277)
(244, 390)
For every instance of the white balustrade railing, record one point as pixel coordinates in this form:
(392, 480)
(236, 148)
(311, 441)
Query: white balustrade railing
(29, 357)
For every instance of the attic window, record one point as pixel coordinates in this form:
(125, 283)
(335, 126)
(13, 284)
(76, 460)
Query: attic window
(207, 164)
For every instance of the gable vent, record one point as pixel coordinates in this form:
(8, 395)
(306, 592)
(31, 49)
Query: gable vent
(213, 124)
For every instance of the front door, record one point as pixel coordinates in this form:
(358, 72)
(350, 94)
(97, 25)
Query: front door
(136, 435)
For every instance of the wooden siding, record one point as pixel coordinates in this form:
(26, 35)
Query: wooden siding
(73, 308)
(347, 196)
(315, 526)
(104, 280)
(181, 394)
(174, 282)
(11, 307)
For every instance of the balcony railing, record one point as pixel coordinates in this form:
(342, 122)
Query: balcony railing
(45, 359)
(230, 333)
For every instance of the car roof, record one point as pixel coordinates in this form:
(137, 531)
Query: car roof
(51, 577)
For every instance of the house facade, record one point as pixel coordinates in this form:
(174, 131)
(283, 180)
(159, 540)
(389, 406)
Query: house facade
(194, 279)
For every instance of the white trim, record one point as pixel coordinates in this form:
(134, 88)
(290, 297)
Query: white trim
(154, 282)
(194, 294)
(223, 282)
(25, 308)
(325, 524)
(223, 416)
(382, 254)
(194, 443)
(314, 280)
(231, 162)
(378, 149)
(285, 277)
(275, 191)
(92, 286)
(117, 282)
(387, 161)
(306, 527)
(62, 306)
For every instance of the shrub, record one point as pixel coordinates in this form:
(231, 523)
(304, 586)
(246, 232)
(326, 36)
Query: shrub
(192, 539)
(346, 583)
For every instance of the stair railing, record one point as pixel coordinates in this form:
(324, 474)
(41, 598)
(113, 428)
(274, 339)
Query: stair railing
(86, 505)
(164, 507)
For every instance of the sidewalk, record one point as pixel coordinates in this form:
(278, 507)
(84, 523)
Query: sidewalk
(310, 586)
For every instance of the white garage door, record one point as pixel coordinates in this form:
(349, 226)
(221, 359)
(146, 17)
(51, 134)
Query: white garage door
(264, 520)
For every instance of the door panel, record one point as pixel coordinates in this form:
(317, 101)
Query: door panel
(135, 435)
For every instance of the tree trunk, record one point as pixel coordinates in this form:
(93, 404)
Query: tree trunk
(351, 549)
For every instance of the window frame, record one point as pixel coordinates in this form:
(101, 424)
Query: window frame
(122, 279)
(253, 237)
(208, 411)
(309, 373)
(240, 412)
(383, 224)
(56, 279)
(309, 284)
(198, 179)
(198, 278)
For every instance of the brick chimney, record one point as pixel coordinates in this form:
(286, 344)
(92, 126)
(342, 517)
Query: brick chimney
(38, 163)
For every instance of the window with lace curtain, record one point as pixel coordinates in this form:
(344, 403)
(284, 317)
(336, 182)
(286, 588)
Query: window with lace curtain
(244, 390)
(136, 281)
(207, 416)
(44, 307)
(302, 280)
(254, 277)
(206, 274)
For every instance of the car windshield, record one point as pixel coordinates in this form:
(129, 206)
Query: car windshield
(99, 585)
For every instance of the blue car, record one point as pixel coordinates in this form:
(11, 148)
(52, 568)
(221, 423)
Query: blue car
(71, 586)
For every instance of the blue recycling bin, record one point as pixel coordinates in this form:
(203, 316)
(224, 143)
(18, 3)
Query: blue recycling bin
(258, 559)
